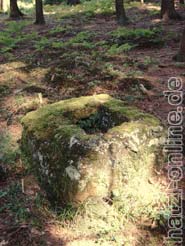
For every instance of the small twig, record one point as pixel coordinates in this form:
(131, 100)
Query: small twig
(22, 186)
(40, 98)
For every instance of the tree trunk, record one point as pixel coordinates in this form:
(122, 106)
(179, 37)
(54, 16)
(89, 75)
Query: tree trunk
(180, 57)
(15, 13)
(120, 12)
(73, 2)
(39, 13)
(168, 10)
(1, 5)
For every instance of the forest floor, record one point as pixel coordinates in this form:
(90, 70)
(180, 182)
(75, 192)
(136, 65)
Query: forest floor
(80, 51)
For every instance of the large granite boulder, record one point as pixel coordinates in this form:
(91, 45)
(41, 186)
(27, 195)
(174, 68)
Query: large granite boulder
(91, 146)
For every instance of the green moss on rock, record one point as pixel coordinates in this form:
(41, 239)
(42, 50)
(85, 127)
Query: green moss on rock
(74, 164)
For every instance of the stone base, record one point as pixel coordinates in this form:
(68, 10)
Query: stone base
(91, 147)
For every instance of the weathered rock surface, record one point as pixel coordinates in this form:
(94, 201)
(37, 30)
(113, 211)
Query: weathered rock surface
(91, 147)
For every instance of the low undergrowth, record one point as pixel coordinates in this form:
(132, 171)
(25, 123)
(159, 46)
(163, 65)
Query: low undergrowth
(9, 150)
(14, 203)
(124, 39)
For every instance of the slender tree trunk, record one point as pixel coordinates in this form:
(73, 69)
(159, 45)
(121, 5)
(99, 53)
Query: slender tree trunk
(15, 13)
(182, 46)
(168, 10)
(39, 13)
(120, 12)
(73, 2)
(1, 5)
(180, 57)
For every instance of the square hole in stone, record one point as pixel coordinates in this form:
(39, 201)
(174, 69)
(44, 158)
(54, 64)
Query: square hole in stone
(101, 121)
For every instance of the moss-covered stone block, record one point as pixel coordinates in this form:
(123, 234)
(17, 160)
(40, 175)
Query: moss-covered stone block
(90, 147)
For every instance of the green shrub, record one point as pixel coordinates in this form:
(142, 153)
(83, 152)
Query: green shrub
(137, 37)
(12, 35)
(14, 202)
(8, 150)
(116, 49)
(42, 43)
